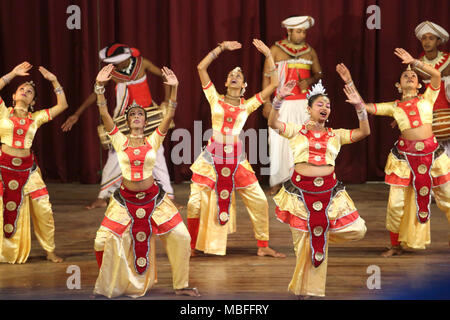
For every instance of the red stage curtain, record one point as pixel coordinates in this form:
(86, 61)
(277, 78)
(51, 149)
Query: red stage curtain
(179, 33)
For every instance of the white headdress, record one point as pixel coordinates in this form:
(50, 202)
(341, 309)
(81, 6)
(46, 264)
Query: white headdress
(316, 89)
(117, 53)
(433, 28)
(304, 22)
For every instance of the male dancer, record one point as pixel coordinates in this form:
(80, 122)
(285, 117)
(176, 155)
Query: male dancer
(431, 37)
(295, 60)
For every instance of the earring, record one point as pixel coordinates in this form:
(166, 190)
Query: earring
(420, 86)
(397, 85)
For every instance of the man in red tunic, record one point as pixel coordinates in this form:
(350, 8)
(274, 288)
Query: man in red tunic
(431, 37)
(295, 60)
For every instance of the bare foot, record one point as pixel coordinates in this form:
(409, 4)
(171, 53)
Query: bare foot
(274, 190)
(97, 203)
(393, 251)
(193, 254)
(53, 257)
(192, 292)
(266, 251)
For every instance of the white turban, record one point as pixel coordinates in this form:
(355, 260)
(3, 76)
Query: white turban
(430, 27)
(303, 22)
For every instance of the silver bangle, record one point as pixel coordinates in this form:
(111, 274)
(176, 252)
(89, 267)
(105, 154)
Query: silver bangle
(213, 54)
(6, 79)
(99, 89)
(361, 111)
(269, 74)
(276, 104)
(417, 64)
(172, 104)
(101, 104)
(58, 90)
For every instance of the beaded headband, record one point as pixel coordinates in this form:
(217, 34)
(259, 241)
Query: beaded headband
(132, 106)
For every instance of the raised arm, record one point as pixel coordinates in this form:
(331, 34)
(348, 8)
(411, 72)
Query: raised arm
(202, 67)
(272, 72)
(61, 103)
(274, 114)
(343, 71)
(19, 70)
(354, 98)
(172, 82)
(435, 74)
(102, 78)
(266, 80)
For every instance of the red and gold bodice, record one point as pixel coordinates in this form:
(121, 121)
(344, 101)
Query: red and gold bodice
(412, 113)
(294, 69)
(136, 163)
(17, 132)
(226, 118)
(314, 147)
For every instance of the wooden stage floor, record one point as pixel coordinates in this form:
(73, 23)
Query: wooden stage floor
(240, 275)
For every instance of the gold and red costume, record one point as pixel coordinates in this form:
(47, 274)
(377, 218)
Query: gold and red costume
(221, 169)
(124, 245)
(130, 88)
(318, 209)
(413, 170)
(23, 192)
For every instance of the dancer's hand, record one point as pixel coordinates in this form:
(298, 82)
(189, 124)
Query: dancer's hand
(230, 45)
(68, 124)
(22, 69)
(352, 95)
(105, 74)
(261, 46)
(404, 55)
(171, 78)
(342, 70)
(303, 85)
(47, 74)
(286, 89)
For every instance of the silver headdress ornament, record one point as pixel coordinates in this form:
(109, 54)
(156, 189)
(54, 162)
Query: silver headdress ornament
(132, 106)
(236, 70)
(316, 89)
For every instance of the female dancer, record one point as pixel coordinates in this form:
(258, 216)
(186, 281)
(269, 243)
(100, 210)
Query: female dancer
(313, 202)
(222, 167)
(23, 191)
(140, 208)
(417, 163)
